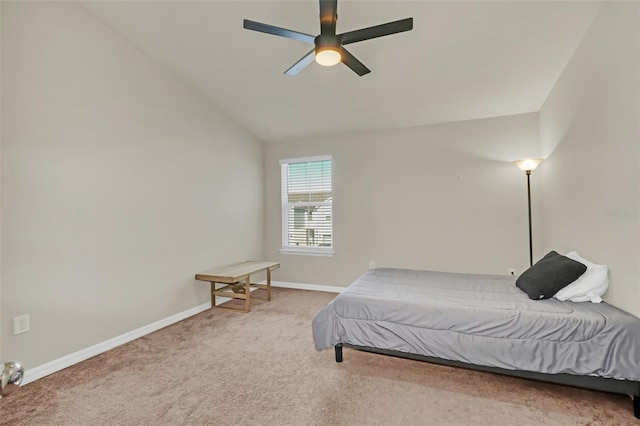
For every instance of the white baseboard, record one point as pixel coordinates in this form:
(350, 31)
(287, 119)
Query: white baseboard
(43, 370)
(300, 286)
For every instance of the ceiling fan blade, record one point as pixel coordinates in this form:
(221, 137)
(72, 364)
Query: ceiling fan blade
(377, 31)
(328, 16)
(282, 32)
(302, 63)
(352, 62)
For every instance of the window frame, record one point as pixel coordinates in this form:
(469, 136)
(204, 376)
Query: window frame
(326, 251)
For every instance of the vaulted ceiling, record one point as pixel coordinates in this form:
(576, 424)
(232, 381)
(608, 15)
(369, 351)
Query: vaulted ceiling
(463, 60)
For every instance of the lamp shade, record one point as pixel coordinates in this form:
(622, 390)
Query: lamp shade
(528, 164)
(327, 56)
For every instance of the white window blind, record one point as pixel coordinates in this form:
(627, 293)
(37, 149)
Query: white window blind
(307, 201)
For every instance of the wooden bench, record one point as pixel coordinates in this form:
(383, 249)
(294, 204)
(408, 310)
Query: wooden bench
(237, 281)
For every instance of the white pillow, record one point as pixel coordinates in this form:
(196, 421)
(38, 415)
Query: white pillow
(590, 286)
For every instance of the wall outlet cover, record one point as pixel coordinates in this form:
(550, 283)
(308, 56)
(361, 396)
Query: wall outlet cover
(21, 324)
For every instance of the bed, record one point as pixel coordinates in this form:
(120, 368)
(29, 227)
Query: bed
(484, 322)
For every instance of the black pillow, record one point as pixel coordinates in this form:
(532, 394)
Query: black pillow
(549, 275)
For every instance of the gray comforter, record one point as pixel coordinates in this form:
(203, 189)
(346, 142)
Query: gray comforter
(480, 319)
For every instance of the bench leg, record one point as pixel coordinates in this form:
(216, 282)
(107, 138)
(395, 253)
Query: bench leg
(338, 353)
(247, 292)
(269, 284)
(213, 295)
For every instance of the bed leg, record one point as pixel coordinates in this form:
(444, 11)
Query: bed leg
(339, 356)
(636, 406)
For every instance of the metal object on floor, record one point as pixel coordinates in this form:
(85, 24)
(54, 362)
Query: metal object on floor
(12, 374)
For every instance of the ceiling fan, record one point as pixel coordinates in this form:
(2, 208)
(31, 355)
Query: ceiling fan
(329, 46)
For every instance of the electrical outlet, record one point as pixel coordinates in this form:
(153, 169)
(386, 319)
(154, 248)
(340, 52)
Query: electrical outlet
(372, 264)
(511, 271)
(20, 324)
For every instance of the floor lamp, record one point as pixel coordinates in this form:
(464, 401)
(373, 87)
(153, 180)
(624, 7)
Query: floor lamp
(528, 165)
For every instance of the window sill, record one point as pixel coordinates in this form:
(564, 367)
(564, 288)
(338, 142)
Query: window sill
(307, 252)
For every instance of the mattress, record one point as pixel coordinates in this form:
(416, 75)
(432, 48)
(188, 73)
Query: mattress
(480, 319)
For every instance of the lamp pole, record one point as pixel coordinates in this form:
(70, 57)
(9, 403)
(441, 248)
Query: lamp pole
(529, 204)
(528, 165)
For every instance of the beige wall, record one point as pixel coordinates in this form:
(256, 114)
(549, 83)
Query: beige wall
(442, 197)
(119, 183)
(589, 129)
(1, 323)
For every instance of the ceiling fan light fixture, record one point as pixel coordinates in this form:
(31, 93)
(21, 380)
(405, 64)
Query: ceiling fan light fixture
(328, 56)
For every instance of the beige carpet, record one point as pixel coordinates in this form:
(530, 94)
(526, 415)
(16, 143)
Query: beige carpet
(227, 368)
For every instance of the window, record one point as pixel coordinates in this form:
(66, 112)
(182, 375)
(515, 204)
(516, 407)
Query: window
(307, 211)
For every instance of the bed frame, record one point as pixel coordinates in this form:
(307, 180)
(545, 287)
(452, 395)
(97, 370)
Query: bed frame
(626, 387)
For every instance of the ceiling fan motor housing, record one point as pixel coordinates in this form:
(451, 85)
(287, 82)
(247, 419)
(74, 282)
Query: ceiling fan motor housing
(328, 41)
